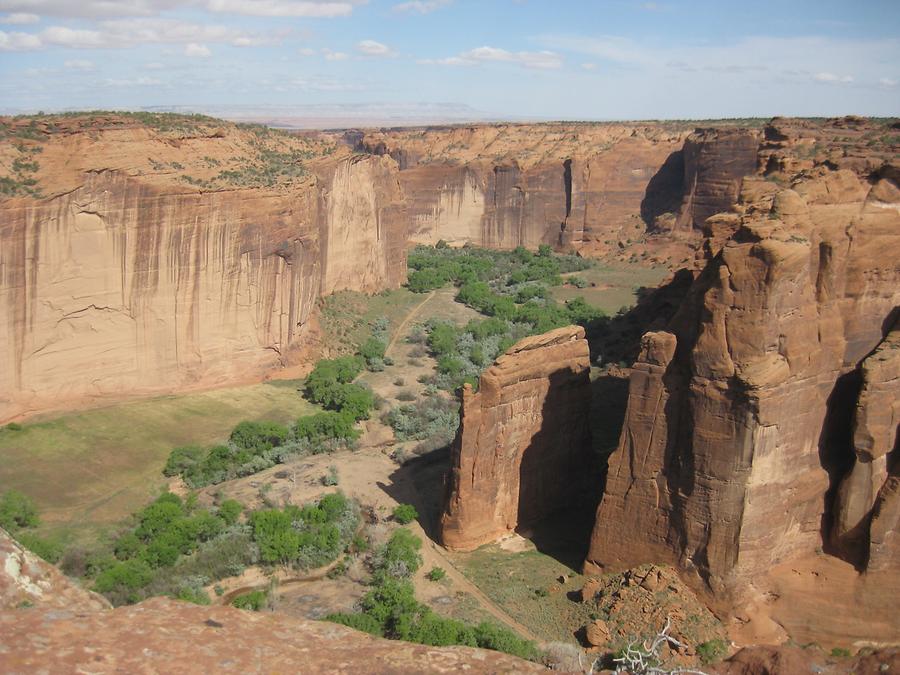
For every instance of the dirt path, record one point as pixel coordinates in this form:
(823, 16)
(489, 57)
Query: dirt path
(461, 582)
(401, 329)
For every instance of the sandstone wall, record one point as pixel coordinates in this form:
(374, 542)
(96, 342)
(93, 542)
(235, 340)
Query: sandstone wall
(740, 420)
(502, 186)
(124, 286)
(523, 447)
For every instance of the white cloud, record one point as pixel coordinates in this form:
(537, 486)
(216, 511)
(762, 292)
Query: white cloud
(589, 66)
(372, 48)
(17, 42)
(195, 50)
(101, 9)
(762, 60)
(887, 82)
(294, 8)
(323, 84)
(306, 51)
(831, 78)
(473, 57)
(421, 6)
(154, 65)
(19, 18)
(124, 33)
(334, 56)
(79, 64)
(136, 82)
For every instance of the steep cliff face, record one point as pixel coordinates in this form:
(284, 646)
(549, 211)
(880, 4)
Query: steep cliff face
(124, 280)
(523, 447)
(569, 186)
(700, 180)
(740, 421)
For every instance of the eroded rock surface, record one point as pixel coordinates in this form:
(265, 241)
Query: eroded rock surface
(143, 270)
(28, 581)
(506, 185)
(740, 414)
(523, 447)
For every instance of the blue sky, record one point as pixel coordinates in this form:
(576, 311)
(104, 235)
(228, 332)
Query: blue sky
(560, 59)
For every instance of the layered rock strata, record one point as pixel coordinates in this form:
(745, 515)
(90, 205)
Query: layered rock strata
(124, 282)
(567, 185)
(740, 422)
(523, 446)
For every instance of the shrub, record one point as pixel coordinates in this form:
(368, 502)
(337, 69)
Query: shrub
(183, 459)
(406, 395)
(259, 436)
(712, 651)
(405, 513)
(436, 574)
(14, 426)
(253, 601)
(230, 510)
(331, 478)
(326, 426)
(435, 418)
(17, 510)
(840, 653)
(50, 550)
(372, 350)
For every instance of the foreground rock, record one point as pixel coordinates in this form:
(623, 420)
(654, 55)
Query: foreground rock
(28, 581)
(523, 447)
(50, 625)
(763, 395)
(165, 636)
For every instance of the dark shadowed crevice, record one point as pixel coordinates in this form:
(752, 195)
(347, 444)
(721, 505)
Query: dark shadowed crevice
(567, 179)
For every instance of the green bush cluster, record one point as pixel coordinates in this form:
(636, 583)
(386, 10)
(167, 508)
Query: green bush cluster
(330, 384)
(712, 651)
(405, 513)
(434, 419)
(373, 349)
(432, 268)
(254, 601)
(145, 558)
(17, 510)
(308, 536)
(18, 515)
(390, 608)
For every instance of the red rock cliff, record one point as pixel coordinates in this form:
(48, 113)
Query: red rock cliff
(523, 447)
(761, 424)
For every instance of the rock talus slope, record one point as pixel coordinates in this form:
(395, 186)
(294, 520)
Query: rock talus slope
(761, 423)
(523, 447)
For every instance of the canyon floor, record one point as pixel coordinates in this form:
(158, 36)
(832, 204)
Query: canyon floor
(88, 470)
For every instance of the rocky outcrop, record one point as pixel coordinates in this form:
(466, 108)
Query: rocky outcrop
(47, 624)
(700, 180)
(164, 636)
(28, 581)
(875, 471)
(740, 414)
(523, 447)
(572, 186)
(128, 282)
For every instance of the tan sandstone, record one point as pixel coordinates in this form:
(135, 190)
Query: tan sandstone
(523, 446)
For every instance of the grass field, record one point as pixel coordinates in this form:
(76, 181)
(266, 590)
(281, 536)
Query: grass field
(615, 286)
(90, 469)
(347, 316)
(525, 585)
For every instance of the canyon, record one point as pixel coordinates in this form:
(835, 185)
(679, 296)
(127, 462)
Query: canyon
(759, 449)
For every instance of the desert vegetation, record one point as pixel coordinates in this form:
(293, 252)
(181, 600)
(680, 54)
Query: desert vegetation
(176, 547)
(390, 609)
